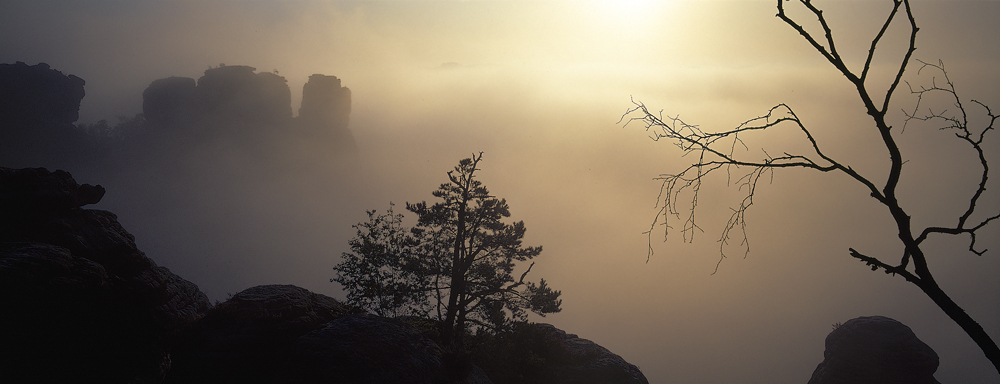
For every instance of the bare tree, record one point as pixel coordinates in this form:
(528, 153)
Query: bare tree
(716, 152)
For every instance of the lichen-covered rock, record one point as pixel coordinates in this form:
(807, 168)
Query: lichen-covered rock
(875, 350)
(79, 301)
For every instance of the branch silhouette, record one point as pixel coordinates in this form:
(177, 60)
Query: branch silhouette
(716, 152)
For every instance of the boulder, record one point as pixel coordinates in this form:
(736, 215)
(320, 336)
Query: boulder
(876, 350)
(581, 361)
(76, 292)
(364, 348)
(246, 338)
(287, 334)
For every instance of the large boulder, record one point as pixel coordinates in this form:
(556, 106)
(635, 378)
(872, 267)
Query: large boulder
(246, 338)
(538, 353)
(875, 350)
(582, 361)
(287, 334)
(80, 302)
(364, 349)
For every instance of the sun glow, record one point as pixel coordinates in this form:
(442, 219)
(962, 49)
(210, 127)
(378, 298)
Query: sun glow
(616, 8)
(629, 15)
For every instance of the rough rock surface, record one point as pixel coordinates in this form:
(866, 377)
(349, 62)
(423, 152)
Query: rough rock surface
(876, 350)
(287, 334)
(76, 292)
(364, 348)
(246, 338)
(585, 362)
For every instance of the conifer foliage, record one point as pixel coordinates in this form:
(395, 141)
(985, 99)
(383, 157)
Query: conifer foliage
(457, 264)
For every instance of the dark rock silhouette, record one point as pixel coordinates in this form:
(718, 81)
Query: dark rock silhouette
(77, 294)
(37, 94)
(171, 101)
(326, 110)
(80, 302)
(235, 101)
(364, 348)
(235, 94)
(38, 106)
(230, 107)
(246, 338)
(286, 334)
(876, 350)
(582, 361)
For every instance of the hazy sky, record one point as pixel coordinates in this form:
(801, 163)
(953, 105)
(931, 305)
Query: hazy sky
(539, 86)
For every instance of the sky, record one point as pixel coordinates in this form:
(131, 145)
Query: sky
(540, 88)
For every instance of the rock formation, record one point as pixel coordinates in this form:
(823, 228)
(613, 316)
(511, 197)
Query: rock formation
(171, 101)
(286, 334)
(535, 353)
(364, 348)
(36, 94)
(246, 338)
(235, 101)
(875, 350)
(326, 110)
(585, 362)
(80, 303)
(38, 106)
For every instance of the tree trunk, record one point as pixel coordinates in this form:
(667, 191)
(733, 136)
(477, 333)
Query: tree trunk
(956, 313)
(458, 270)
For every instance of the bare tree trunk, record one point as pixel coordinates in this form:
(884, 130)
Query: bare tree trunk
(930, 287)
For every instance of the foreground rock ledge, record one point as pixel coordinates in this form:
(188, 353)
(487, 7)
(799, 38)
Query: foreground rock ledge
(80, 303)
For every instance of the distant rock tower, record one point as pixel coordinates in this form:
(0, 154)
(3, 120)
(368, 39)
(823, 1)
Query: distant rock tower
(326, 109)
(233, 101)
(236, 94)
(170, 101)
(225, 96)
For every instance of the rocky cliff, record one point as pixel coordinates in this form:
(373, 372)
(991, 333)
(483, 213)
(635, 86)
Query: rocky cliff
(231, 107)
(38, 106)
(80, 303)
(235, 100)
